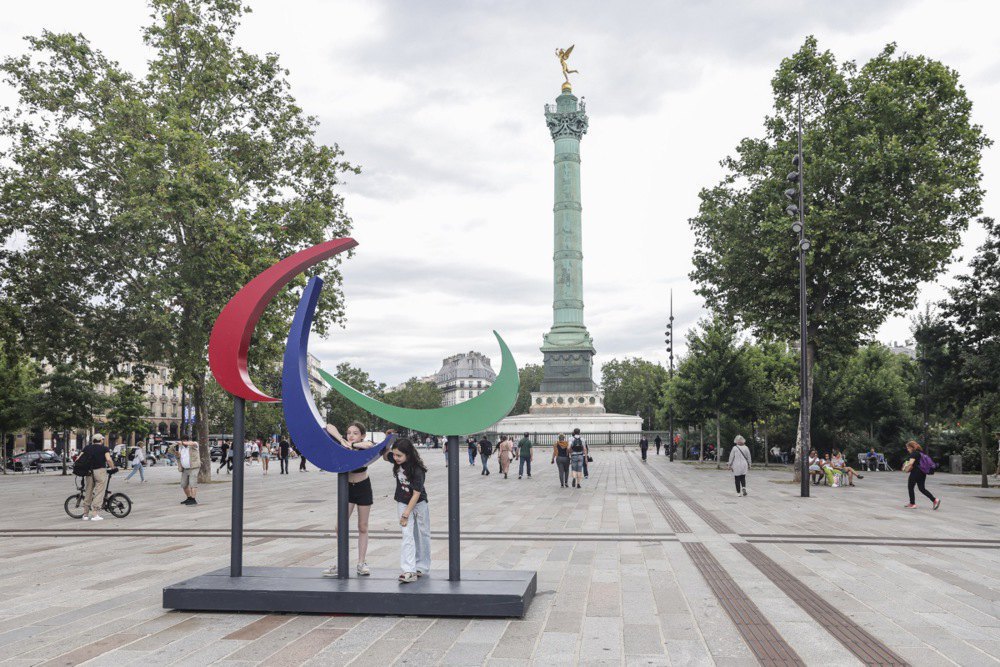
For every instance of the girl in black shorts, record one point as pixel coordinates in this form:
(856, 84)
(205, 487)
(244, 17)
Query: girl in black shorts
(359, 493)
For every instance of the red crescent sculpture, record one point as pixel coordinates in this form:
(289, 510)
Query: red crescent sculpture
(230, 339)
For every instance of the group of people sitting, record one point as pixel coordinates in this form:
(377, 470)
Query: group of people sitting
(833, 469)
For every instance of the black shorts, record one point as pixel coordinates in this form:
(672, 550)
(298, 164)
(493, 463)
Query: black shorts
(360, 493)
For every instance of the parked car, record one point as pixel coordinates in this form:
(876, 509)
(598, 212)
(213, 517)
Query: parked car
(36, 461)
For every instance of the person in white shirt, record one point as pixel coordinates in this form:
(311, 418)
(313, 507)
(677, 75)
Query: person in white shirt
(188, 462)
(739, 463)
(138, 464)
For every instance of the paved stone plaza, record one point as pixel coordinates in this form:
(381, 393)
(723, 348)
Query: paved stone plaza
(649, 564)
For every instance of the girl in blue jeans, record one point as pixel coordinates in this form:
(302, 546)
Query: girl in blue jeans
(414, 515)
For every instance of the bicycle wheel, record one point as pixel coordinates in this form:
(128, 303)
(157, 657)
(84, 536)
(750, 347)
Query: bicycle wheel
(74, 506)
(119, 505)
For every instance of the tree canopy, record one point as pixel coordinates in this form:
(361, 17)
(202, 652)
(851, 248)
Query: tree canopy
(634, 386)
(148, 201)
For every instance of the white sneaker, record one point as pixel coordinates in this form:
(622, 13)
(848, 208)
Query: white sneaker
(330, 571)
(363, 570)
(738, 494)
(86, 517)
(97, 517)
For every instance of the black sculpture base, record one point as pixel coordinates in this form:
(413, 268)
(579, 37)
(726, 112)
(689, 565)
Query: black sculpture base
(480, 593)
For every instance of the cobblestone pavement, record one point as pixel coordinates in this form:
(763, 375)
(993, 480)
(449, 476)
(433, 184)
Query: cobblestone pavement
(648, 564)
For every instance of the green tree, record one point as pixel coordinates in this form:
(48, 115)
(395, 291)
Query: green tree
(341, 411)
(871, 390)
(68, 401)
(771, 395)
(19, 390)
(415, 394)
(201, 172)
(714, 371)
(892, 178)
(973, 310)
(127, 411)
(634, 386)
(530, 378)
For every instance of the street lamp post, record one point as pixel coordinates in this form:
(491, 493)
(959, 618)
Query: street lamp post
(799, 227)
(670, 351)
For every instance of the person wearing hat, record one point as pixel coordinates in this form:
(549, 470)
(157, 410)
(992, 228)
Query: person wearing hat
(98, 459)
(189, 462)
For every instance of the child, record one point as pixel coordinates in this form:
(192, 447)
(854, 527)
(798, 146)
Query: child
(411, 504)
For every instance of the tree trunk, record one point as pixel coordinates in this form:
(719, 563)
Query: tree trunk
(805, 423)
(753, 426)
(718, 438)
(201, 431)
(3, 451)
(984, 448)
(763, 427)
(701, 445)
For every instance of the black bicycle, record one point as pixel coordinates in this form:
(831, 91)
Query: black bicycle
(117, 504)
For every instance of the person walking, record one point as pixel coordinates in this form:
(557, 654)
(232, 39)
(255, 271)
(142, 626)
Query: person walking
(359, 493)
(302, 461)
(643, 446)
(485, 450)
(524, 456)
(224, 461)
(265, 456)
(504, 453)
(188, 463)
(98, 459)
(577, 459)
(560, 455)
(919, 465)
(138, 464)
(658, 441)
(586, 451)
(411, 506)
(739, 463)
(283, 451)
(470, 442)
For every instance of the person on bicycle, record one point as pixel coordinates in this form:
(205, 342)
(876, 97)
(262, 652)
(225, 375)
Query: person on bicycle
(98, 457)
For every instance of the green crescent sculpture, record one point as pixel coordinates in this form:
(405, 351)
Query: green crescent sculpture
(472, 416)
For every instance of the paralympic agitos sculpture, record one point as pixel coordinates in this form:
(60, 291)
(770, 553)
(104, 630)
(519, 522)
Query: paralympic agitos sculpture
(229, 345)
(273, 589)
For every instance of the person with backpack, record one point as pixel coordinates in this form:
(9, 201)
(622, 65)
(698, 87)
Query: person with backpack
(94, 463)
(138, 464)
(485, 451)
(739, 463)
(919, 465)
(577, 456)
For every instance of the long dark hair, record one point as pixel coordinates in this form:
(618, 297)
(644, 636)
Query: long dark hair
(413, 460)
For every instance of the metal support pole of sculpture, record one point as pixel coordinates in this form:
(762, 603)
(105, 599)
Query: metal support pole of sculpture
(343, 527)
(236, 533)
(454, 522)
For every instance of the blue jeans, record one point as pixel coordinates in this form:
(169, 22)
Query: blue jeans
(485, 460)
(472, 457)
(137, 468)
(525, 460)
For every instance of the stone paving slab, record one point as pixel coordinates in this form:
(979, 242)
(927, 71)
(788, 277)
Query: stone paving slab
(615, 584)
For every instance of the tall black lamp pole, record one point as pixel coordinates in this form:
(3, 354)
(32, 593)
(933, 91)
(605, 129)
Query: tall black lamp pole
(799, 227)
(670, 351)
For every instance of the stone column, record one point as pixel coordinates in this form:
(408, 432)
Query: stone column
(567, 348)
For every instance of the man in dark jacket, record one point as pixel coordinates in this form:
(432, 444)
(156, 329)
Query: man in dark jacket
(485, 450)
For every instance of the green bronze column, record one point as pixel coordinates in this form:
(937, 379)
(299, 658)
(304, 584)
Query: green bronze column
(567, 348)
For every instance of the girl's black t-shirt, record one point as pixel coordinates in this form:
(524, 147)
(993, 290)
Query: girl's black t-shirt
(406, 486)
(915, 468)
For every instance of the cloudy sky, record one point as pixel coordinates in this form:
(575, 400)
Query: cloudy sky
(441, 105)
